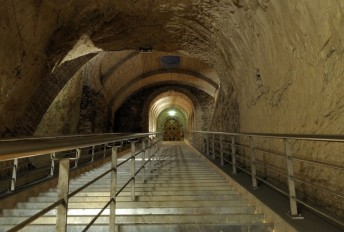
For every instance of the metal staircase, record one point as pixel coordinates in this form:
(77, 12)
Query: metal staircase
(178, 192)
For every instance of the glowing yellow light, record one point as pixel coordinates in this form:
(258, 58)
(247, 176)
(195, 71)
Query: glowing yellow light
(172, 113)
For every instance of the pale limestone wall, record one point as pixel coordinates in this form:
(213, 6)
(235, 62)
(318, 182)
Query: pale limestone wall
(296, 48)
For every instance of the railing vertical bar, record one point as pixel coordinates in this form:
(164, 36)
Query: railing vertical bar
(78, 153)
(133, 171)
(149, 157)
(221, 150)
(52, 165)
(63, 189)
(14, 174)
(112, 220)
(207, 145)
(213, 146)
(291, 184)
(104, 154)
(233, 156)
(253, 164)
(143, 160)
(158, 156)
(92, 157)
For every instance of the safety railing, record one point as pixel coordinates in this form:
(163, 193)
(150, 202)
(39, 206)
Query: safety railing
(271, 158)
(151, 145)
(14, 174)
(19, 168)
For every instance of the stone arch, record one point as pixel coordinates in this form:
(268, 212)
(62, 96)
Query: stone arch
(154, 78)
(114, 67)
(170, 99)
(193, 98)
(45, 95)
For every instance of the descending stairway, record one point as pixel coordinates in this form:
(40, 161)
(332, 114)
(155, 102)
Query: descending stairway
(185, 194)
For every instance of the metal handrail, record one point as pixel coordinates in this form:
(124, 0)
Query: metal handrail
(16, 174)
(203, 144)
(311, 137)
(97, 216)
(21, 148)
(64, 168)
(30, 138)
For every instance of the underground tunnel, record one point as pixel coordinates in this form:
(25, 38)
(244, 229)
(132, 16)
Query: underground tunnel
(183, 66)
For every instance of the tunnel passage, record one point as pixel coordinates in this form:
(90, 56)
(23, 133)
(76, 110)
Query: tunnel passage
(150, 102)
(268, 66)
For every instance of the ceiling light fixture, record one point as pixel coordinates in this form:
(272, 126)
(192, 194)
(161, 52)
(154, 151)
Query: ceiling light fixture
(172, 113)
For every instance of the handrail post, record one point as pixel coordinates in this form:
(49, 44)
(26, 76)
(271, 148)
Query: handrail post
(233, 156)
(14, 174)
(207, 144)
(193, 138)
(158, 157)
(143, 160)
(52, 165)
(221, 150)
(112, 222)
(62, 193)
(104, 154)
(253, 165)
(149, 156)
(92, 159)
(204, 143)
(291, 184)
(78, 153)
(213, 146)
(133, 171)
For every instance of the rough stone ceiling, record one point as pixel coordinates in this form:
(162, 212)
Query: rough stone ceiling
(288, 43)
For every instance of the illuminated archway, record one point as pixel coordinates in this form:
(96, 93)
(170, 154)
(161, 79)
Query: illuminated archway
(162, 106)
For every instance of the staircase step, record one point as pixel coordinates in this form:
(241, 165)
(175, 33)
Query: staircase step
(142, 189)
(139, 184)
(145, 219)
(139, 211)
(138, 204)
(140, 198)
(161, 178)
(259, 227)
(203, 227)
(139, 179)
(155, 193)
